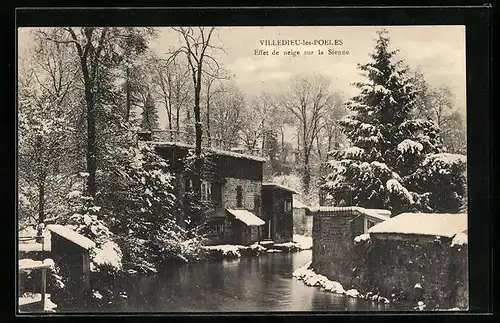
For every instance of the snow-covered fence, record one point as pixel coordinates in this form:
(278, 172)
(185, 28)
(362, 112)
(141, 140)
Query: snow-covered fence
(28, 265)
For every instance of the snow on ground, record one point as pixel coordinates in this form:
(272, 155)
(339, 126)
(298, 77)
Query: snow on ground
(30, 298)
(303, 242)
(362, 237)
(236, 251)
(288, 246)
(459, 239)
(310, 278)
(227, 250)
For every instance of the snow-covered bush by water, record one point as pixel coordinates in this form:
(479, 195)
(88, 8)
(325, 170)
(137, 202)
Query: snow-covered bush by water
(311, 278)
(108, 254)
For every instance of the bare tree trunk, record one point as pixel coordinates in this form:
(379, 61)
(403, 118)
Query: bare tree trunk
(89, 80)
(41, 199)
(91, 142)
(170, 126)
(318, 148)
(329, 142)
(177, 129)
(209, 139)
(127, 116)
(40, 182)
(306, 176)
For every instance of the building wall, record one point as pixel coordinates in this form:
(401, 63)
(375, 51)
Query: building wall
(395, 266)
(250, 189)
(243, 168)
(274, 211)
(333, 242)
(283, 220)
(390, 265)
(230, 172)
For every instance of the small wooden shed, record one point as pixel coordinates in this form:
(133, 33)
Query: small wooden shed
(71, 253)
(277, 207)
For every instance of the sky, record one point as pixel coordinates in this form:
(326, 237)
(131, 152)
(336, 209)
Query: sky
(439, 52)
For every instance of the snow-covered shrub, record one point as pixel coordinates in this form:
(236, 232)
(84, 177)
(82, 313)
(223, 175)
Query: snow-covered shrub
(444, 177)
(224, 251)
(138, 194)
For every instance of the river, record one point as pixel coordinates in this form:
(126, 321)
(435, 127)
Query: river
(255, 284)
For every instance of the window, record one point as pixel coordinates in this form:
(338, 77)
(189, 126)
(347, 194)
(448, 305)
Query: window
(239, 196)
(288, 205)
(256, 202)
(219, 228)
(206, 190)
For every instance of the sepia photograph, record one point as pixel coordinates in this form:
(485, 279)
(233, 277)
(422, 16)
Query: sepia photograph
(242, 169)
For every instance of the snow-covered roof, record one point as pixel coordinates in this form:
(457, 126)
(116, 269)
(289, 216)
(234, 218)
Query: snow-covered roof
(298, 204)
(71, 235)
(280, 187)
(433, 224)
(33, 264)
(246, 217)
(213, 150)
(379, 214)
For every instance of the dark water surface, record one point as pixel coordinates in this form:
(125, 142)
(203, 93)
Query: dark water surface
(254, 284)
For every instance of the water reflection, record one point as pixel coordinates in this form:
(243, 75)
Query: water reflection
(248, 284)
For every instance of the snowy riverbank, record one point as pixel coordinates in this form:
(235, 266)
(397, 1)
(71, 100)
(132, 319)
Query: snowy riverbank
(310, 278)
(228, 251)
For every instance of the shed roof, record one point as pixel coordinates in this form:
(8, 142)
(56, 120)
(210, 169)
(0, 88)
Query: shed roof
(279, 186)
(213, 150)
(246, 217)
(434, 224)
(71, 235)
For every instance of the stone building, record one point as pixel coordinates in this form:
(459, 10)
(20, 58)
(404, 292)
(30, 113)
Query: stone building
(233, 189)
(422, 256)
(334, 230)
(410, 257)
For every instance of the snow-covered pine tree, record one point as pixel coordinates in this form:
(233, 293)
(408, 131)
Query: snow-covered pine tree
(387, 144)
